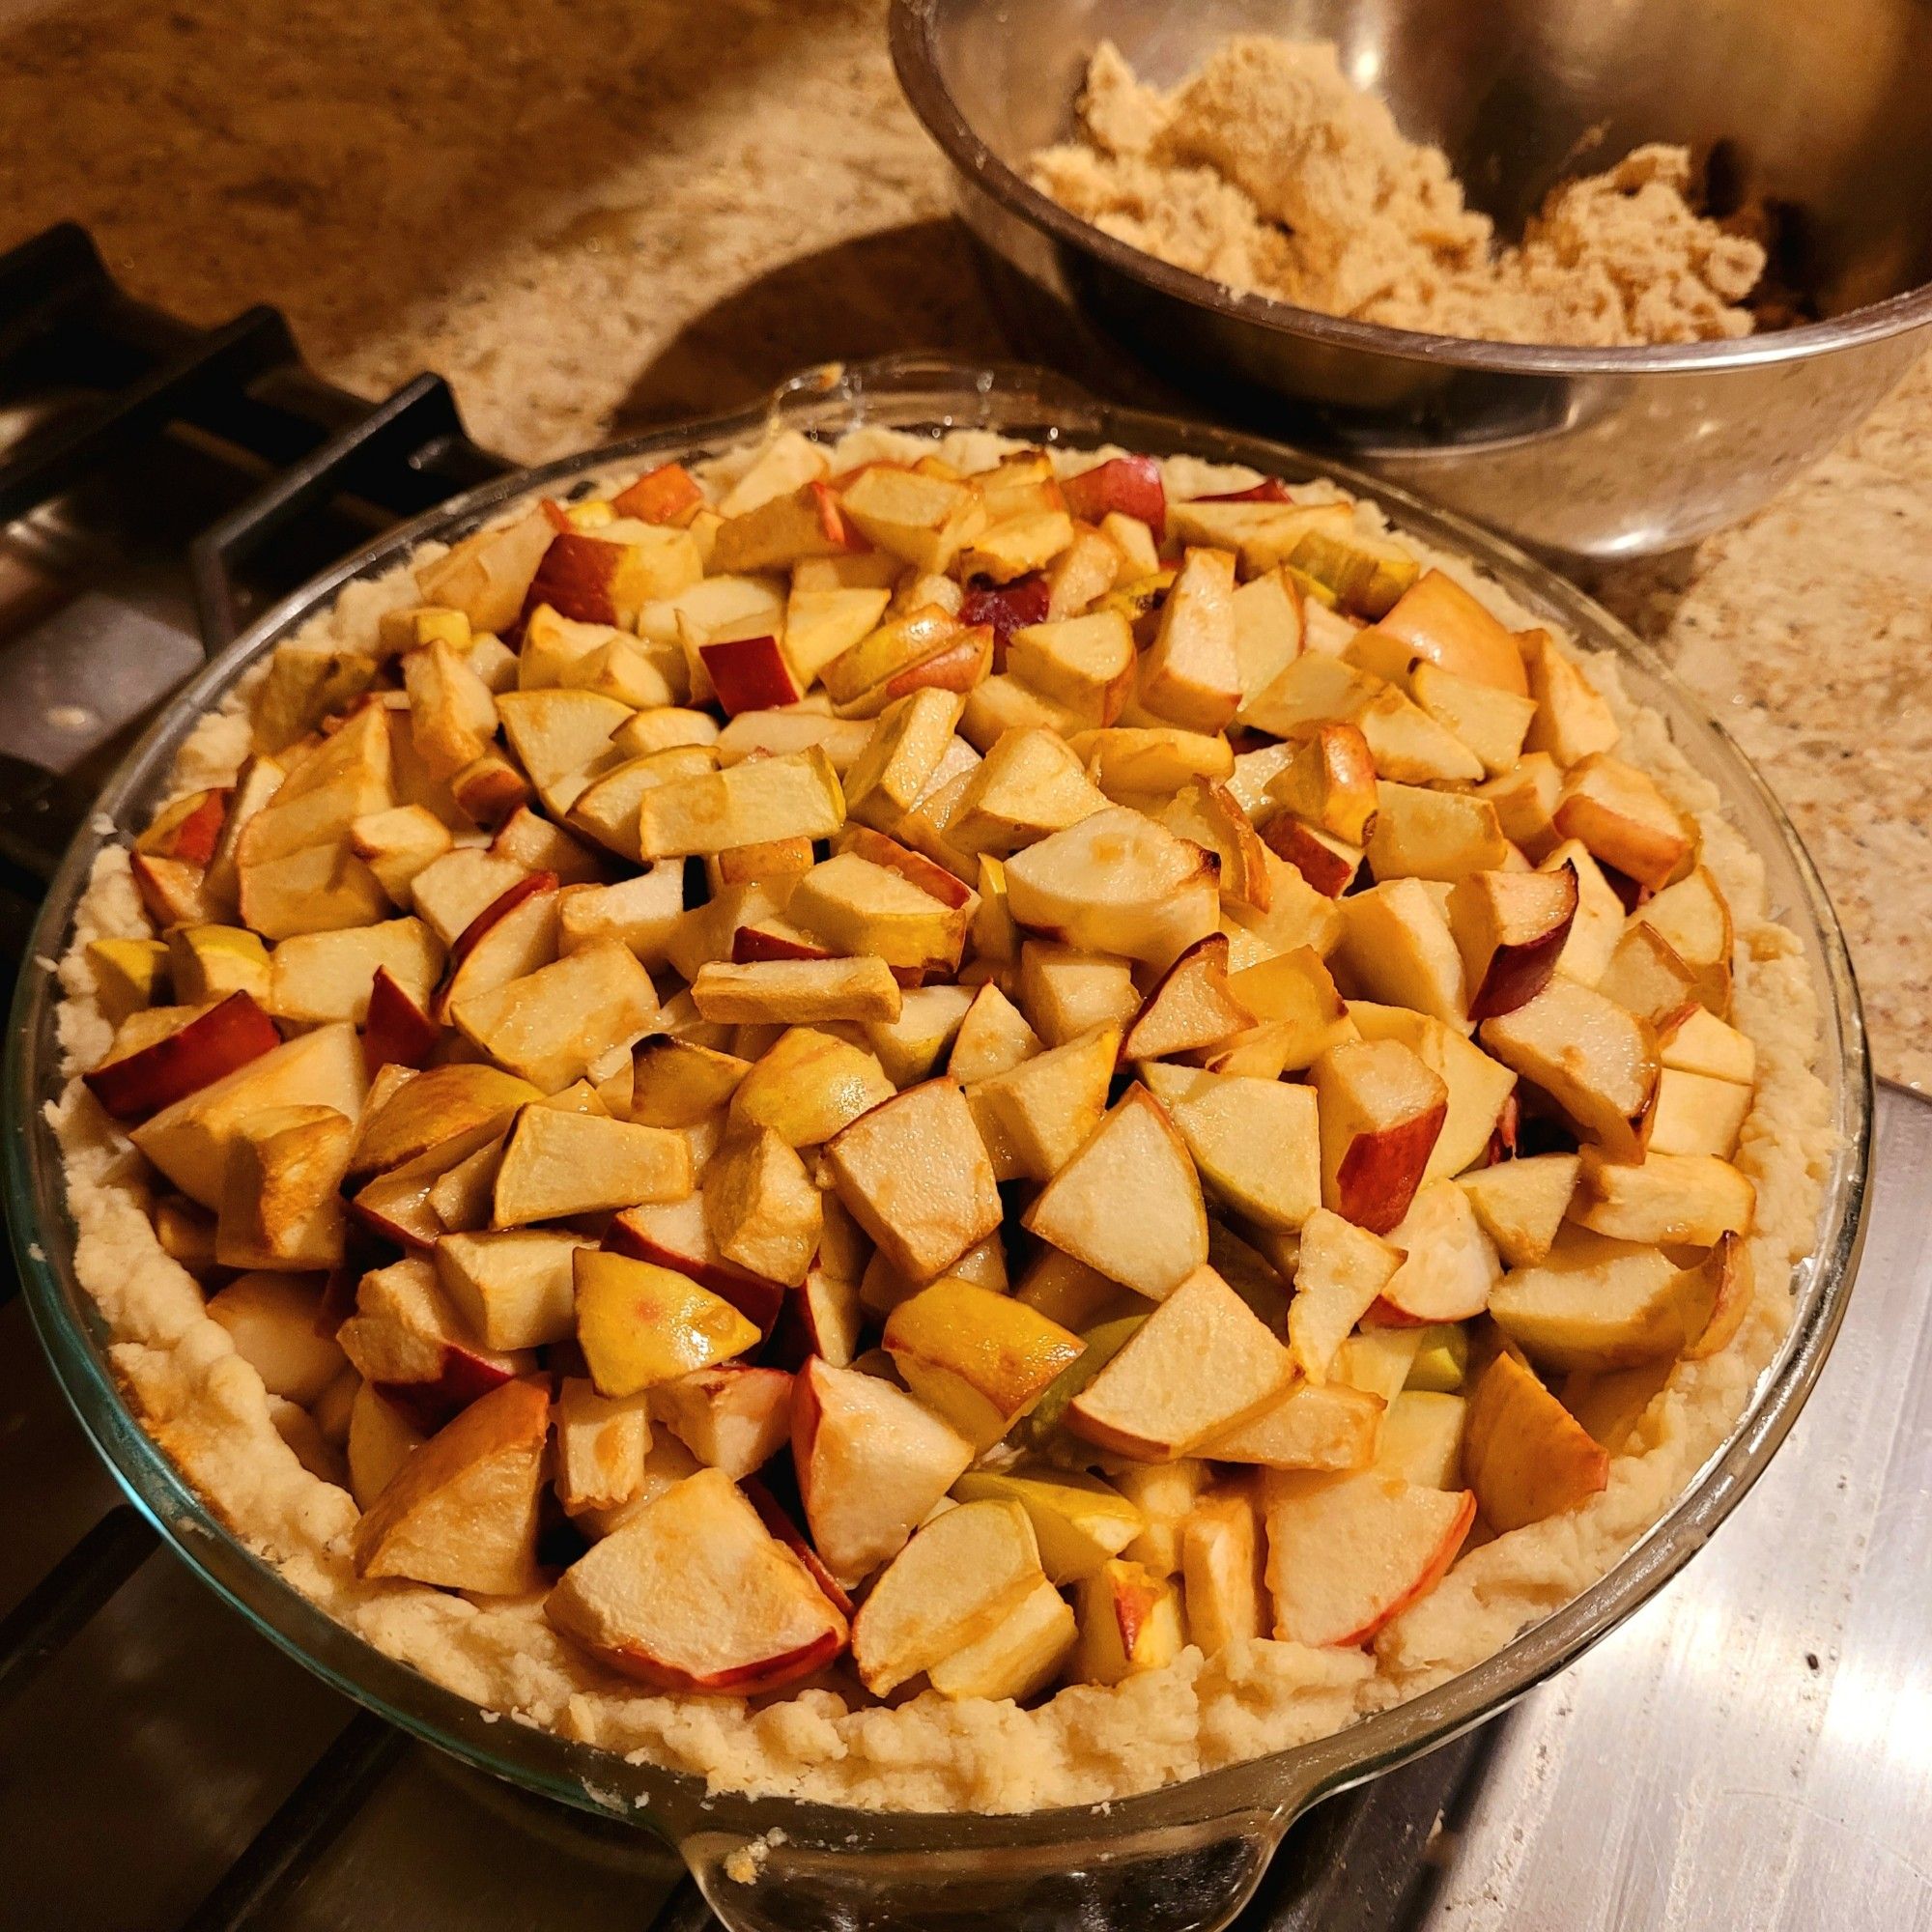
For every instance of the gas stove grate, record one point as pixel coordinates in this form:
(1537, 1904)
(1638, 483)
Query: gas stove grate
(103, 378)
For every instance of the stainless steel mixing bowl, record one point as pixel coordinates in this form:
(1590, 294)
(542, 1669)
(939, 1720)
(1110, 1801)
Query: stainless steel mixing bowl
(1819, 114)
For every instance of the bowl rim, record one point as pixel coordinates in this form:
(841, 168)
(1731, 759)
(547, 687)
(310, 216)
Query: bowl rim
(915, 60)
(926, 391)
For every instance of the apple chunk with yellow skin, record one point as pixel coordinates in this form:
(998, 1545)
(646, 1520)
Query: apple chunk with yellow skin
(1130, 1622)
(1257, 1143)
(461, 1511)
(915, 1175)
(694, 1594)
(1623, 819)
(1200, 1363)
(1118, 883)
(676, 1083)
(550, 1025)
(436, 1108)
(1133, 1156)
(1522, 1203)
(190, 1140)
(1595, 1059)
(981, 1358)
(673, 1234)
(557, 1162)
(807, 1086)
(1681, 1200)
(1524, 1455)
(1349, 1552)
(1019, 1656)
(872, 1463)
(640, 1324)
(953, 1584)
(1381, 1111)
(1598, 1303)
(1726, 1285)
(1437, 619)
(1078, 1520)
(1341, 1271)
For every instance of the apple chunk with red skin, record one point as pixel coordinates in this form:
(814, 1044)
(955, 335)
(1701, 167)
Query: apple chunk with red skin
(872, 1461)
(695, 1594)
(410, 1345)
(1129, 484)
(1511, 928)
(751, 674)
(672, 1234)
(461, 1511)
(1349, 1552)
(398, 1032)
(213, 1044)
(1382, 1109)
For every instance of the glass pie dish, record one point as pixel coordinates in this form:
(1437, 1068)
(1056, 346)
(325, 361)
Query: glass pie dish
(1183, 1855)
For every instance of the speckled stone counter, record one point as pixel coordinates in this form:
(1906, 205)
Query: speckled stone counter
(598, 215)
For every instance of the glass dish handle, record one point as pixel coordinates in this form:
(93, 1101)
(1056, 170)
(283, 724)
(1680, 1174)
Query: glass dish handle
(1179, 1878)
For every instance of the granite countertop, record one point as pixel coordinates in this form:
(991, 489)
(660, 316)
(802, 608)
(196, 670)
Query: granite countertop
(595, 217)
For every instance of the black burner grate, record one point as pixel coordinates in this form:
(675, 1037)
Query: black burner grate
(108, 376)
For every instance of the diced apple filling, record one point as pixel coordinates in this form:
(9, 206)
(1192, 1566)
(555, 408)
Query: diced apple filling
(806, 988)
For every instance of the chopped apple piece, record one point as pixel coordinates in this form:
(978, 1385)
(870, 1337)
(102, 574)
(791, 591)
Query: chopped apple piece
(601, 1445)
(1381, 1111)
(1078, 1520)
(189, 1139)
(1021, 1655)
(1311, 1426)
(1674, 1200)
(1480, 1089)
(210, 962)
(1116, 883)
(1343, 1270)
(270, 1317)
(1491, 721)
(1330, 782)
(1257, 1143)
(1408, 745)
(858, 908)
(1134, 1154)
(1191, 674)
(1450, 1267)
(915, 1175)
(1438, 620)
(281, 1204)
(200, 1050)
(731, 1417)
(673, 1234)
(908, 740)
(1572, 723)
(1521, 1204)
(550, 1025)
(981, 1359)
(872, 1463)
(1526, 1457)
(1598, 1303)
(675, 1083)
(797, 992)
(809, 1086)
(1201, 1363)
(452, 712)
(1597, 1060)
(694, 1594)
(516, 1289)
(1191, 1005)
(1067, 992)
(1129, 762)
(1221, 1573)
(1422, 1439)
(487, 576)
(1083, 662)
(1349, 1552)
(1619, 814)
(1398, 945)
(1645, 975)
(1130, 1622)
(761, 1206)
(924, 520)
(1421, 834)
(993, 1038)
(911, 1048)
(964, 1573)
(1293, 993)
(557, 1163)
(379, 1444)
(1693, 917)
(439, 1108)
(1697, 1113)
(1511, 930)
(127, 973)
(640, 1324)
(461, 1511)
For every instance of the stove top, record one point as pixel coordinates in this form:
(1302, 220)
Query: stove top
(1752, 1749)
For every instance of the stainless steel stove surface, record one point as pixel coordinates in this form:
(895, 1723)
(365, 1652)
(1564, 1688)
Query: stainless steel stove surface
(1751, 1751)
